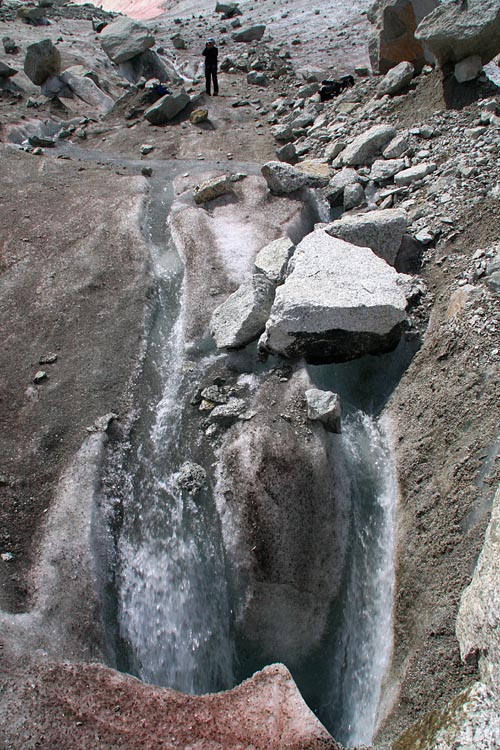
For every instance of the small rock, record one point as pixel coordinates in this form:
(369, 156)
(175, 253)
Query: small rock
(146, 149)
(210, 189)
(197, 116)
(40, 375)
(191, 477)
(324, 407)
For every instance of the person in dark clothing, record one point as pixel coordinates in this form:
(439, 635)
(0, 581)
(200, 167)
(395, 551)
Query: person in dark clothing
(210, 53)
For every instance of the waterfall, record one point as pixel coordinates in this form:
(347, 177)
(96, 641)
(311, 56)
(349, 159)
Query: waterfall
(173, 611)
(363, 636)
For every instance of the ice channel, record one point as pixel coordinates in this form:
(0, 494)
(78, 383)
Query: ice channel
(172, 621)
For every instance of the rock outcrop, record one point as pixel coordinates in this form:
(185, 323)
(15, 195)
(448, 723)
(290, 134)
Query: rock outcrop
(124, 39)
(392, 40)
(478, 622)
(338, 302)
(457, 30)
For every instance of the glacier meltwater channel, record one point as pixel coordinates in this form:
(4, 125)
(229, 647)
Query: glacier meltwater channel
(174, 615)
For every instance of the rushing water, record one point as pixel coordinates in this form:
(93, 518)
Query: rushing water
(363, 633)
(174, 612)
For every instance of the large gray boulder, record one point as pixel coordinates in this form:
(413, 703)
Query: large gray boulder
(382, 231)
(242, 317)
(166, 108)
(365, 148)
(42, 60)
(478, 621)
(149, 65)
(339, 302)
(85, 89)
(283, 178)
(455, 31)
(125, 38)
(392, 39)
(273, 259)
(285, 533)
(251, 34)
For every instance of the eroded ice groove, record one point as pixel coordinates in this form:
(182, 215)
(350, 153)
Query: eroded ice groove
(363, 639)
(172, 602)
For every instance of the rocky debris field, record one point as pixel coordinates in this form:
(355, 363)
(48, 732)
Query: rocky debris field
(404, 166)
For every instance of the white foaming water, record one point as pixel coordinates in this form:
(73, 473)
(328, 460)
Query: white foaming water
(173, 611)
(364, 635)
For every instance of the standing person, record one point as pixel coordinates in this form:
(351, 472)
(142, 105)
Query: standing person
(210, 54)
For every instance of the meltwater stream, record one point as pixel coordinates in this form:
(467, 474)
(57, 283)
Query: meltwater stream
(174, 612)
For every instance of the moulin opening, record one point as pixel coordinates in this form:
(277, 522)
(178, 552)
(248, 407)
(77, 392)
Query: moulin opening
(173, 596)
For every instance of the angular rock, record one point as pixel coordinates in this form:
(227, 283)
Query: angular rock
(339, 302)
(384, 169)
(334, 192)
(273, 259)
(229, 10)
(468, 69)
(167, 108)
(368, 145)
(210, 189)
(250, 34)
(392, 40)
(283, 132)
(283, 178)
(354, 196)
(399, 146)
(42, 60)
(85, 88)
(478, 620)
(493, 273)
(287, 153)
(242, 317)
(317, 172)
(414, 174)
(9, 45)
(6, 71)
(226, 414)
(455, 31)
(396, 79)
(149, 65)
(381, 231)
(198, 115)
(125, 38)
(257, 78)
(178, 41)
(324, 407)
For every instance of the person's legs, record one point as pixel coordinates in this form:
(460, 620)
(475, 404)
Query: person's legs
(207, 80)
(215, 81)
